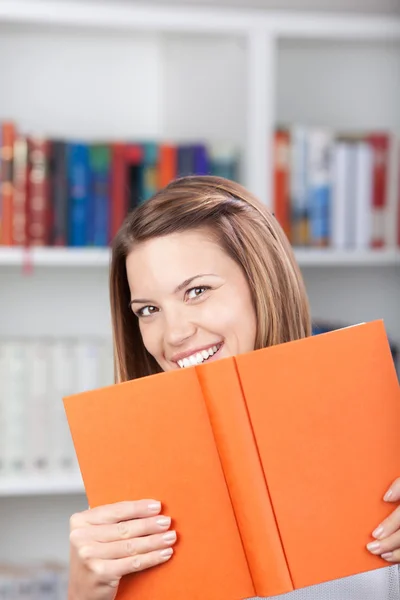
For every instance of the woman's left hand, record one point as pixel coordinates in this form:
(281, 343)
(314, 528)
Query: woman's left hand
(387, 533)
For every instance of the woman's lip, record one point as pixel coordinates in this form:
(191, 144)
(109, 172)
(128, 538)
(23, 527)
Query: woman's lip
(193, 352)
(220, 344)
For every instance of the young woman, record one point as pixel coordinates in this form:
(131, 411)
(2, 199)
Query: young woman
(199, 272)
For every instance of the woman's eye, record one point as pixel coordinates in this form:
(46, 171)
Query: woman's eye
(196, 292)
(146, 311)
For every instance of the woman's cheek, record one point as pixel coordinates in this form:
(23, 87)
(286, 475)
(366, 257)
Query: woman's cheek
(147, 333)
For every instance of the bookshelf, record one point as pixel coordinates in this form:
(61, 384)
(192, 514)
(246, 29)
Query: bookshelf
(82, 258)
(174, 57)
(12, 487)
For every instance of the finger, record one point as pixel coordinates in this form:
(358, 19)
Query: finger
(123, 530)
(125, 548)
(113, 513)
(383, 547)
(393, 493)
(392, 557)
(388, 526)
(113, 570)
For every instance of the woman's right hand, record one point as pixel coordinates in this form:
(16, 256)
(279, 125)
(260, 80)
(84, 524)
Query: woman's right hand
(110, 541)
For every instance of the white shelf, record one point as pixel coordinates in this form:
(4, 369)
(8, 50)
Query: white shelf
(327, 257)
(55, 257)
(41, 486)
(100, 257)
(142, 17)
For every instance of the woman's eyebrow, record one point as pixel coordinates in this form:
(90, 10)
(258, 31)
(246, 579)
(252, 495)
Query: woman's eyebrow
(179, 288)
(187, 282)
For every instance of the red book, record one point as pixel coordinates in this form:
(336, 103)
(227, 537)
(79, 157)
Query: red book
(380, 146)
(38, 209)
(125, 181)
(281, 179)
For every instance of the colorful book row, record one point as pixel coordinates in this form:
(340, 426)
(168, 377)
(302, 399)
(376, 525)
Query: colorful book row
(336, 189)
(77, 193)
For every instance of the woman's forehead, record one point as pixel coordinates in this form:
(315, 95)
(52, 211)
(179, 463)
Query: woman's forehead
(163, 263)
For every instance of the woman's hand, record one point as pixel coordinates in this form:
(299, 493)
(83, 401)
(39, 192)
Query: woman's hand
(387, 534)
(110, 541)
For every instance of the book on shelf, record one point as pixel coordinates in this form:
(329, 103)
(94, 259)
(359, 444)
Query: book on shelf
(69, 192)
(265, 461)
(331, 188)
(35, 374)
(337, 189)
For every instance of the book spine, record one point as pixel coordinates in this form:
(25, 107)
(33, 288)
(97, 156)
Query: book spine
(167, 167)
(363, 196)
(319, 174)
(14, 408)
(224, 161)
(380, 146)
(58, 195)
(8, 134)
(133, 157)
(149, 172)
(185, 160)
(38, 406)
(282, 180)
(119, 200)
(99, 217)
(19, 230)
(63, 368)
(37, 219)
(78, 177)
(298, 186)
(340, 195)
(245, 478)
(201, 160)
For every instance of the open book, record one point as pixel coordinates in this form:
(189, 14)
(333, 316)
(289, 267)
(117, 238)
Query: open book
(272, 464)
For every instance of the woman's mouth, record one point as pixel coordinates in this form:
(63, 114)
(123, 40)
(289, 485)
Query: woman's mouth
(200, 357)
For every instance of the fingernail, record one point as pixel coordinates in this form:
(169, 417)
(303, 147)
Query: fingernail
(388, 495)
(164, 521)
(387, 555)
(378, 532)
(170, 536)
(167, 553)
(374, 547)
(154, 506)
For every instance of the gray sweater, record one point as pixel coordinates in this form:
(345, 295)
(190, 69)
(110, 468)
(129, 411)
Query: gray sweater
(381, 584)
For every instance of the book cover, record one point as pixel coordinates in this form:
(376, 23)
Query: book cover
(272, 464)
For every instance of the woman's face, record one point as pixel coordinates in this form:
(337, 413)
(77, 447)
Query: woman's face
(192, 300)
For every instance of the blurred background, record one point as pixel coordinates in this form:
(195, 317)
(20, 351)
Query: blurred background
(299, 100)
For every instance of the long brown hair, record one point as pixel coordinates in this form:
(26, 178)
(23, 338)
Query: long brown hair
(244, 228)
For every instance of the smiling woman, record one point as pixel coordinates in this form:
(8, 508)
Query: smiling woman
(201, 306)
(199, 272)
(201, 265)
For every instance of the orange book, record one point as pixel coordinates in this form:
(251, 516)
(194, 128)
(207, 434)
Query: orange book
(8, 134)
(167, 167)
(272, 464)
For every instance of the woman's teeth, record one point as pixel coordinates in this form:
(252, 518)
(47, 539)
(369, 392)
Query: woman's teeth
(198, 358)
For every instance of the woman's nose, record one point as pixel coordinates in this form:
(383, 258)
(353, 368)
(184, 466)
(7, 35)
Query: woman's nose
(178, 328)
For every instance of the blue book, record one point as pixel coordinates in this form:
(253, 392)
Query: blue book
(149, 171)
(79, 193)
(201, 160)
